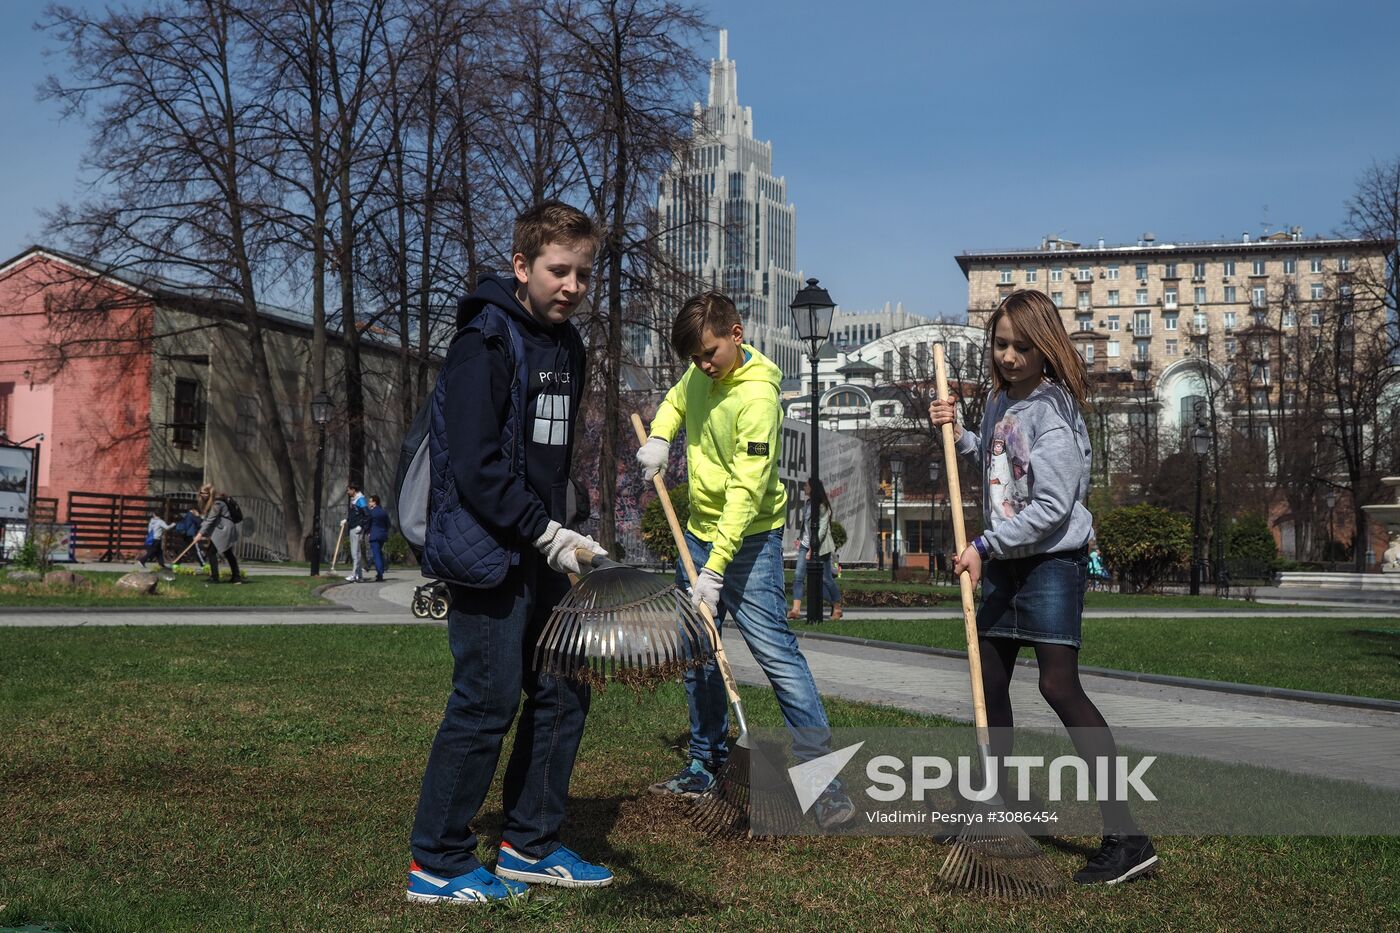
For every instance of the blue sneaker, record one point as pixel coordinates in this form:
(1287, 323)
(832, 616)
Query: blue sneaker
(475, 887)
(561, 867)
(691, 781)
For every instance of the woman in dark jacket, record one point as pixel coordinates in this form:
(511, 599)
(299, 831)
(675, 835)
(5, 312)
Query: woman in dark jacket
(378, 534)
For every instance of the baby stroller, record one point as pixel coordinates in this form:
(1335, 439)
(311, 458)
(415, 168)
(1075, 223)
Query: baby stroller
(430, 600)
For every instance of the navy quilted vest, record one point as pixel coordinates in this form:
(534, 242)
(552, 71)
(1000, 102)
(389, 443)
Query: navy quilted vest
(457, 547)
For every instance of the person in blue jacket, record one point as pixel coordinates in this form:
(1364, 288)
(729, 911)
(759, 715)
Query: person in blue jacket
(504, 415)
(378, 534)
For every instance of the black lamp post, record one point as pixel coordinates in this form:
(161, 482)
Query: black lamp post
(321, 414)
(812, 309)
(1331, 498)
(935, 472)
(1200, 444)
(879, 522)
(896, 471)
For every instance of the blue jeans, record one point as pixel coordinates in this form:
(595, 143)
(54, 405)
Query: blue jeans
(754, 593)
(376, 550)
(492, 634)
(830, 591)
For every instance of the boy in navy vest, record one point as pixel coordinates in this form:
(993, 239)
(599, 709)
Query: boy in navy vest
(501, 440)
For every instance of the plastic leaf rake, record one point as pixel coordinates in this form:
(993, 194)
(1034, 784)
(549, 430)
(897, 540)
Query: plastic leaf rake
(623, 624)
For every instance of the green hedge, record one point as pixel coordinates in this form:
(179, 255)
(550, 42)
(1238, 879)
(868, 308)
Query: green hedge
(1141, 543)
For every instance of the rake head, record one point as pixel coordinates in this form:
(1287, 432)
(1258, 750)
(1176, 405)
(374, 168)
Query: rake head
(624, 624)
(1002, 862)
(737, 802)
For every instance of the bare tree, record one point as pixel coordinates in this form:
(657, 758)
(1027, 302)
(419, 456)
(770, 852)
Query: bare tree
(183, 150)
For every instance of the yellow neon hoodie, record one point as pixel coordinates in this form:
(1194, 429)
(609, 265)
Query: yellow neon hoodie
(732, 431)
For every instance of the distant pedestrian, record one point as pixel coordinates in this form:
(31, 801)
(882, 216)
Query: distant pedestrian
(155, 530)
(378, 535)
(825, 550)
(221, 530)
(356, 523)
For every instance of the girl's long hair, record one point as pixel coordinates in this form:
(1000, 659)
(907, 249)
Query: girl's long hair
(1037, 321)
(206, 498)
(819, 492)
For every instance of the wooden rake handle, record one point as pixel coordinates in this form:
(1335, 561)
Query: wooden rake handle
(950, 469)
(335, 555)
(184, 552)
(690, 572)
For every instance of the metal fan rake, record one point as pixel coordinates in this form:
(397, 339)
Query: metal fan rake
(623, 624)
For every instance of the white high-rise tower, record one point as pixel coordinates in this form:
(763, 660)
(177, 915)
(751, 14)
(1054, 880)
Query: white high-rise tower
(726, 222)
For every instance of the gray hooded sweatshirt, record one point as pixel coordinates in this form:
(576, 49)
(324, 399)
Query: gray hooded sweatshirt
(1036, 458)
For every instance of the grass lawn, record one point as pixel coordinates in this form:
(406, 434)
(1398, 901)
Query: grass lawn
(192, 591)
(1354, 656)
(265, 779)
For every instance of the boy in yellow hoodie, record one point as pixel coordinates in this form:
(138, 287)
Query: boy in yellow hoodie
(728, 403)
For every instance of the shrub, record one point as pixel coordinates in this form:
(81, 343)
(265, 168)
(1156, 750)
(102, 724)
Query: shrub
(1140, 543)
(838, 535)
(656, 531)
(1250, 539)
(396, 549)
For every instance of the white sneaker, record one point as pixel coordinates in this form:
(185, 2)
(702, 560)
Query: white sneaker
(352, 579)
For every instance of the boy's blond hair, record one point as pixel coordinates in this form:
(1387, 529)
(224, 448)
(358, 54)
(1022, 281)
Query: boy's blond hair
(551, 222)
(708, 312)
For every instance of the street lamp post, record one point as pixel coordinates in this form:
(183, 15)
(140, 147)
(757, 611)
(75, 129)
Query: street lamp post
(321, 414)
(1331, 498)
(935, 472)
(896, 471)
(1200, 444)
(812, 309)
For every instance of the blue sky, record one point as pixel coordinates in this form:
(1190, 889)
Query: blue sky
(911, 131)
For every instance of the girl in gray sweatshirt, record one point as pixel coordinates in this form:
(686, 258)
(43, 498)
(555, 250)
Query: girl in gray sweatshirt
(1032, 557)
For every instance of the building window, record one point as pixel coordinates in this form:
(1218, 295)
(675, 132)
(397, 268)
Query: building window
(1057, 299)
(1113, 348)
(954, 353)
(1229, 294)
(1113, 323)
(1083, 300)
(1169, 298)
(1057, 275)
(1141, 349)
(1112, 273)
(1169, 322)
(1290, 266)
(1198, 271)
(1141, 296)
(1200, 321)
(888, 360)
(1169, 270)
(1171, 348)
(1200, 295)
(1088, 352)
(1030, 276)
(1317, 291)
(1258, 267)
(1141, 271)
(1315, 264)
(7, 391)
(245, 426)
(1142, 324)
(1316, 318)
(1085, 321)
(1227, 268)
(1344, 264)
(1258, 297)
(1005, 276)
(1229, 320)
(1084, 274)
(1290, 318)
(187, 421)
(1230, 346)
(1113, 297)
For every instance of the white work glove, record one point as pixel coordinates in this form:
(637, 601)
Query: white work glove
(653, 456)
(558, 545)
(706, 590)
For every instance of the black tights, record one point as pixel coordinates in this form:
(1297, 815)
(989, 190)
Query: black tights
(1059, 684)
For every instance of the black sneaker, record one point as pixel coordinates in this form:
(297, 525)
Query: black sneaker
(833, 809)
(1120, 858)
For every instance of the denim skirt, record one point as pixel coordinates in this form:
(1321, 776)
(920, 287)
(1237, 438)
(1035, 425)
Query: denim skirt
(1035, 599)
